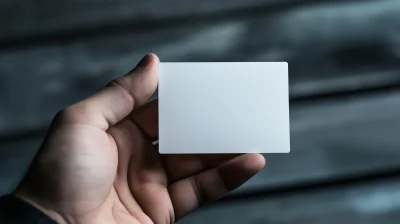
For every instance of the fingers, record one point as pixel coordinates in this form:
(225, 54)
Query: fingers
(146, 118)
(148, 184)
(119, 98)
(213, 160)
(190, 193)
(181, 166)
(141, 180)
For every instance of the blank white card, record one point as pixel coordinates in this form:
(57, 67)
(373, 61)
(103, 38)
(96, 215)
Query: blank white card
(223, 107)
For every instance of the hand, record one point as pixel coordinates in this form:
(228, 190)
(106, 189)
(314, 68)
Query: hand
(97, 164)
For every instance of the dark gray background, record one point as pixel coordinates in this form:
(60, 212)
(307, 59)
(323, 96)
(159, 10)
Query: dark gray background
(344, 77)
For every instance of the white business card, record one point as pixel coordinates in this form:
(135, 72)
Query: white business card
(223, 107)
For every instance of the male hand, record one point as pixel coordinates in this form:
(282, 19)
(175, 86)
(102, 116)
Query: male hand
(97, 164)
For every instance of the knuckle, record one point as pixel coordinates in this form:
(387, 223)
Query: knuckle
(199, 191)
(69, 114)
(62, 115)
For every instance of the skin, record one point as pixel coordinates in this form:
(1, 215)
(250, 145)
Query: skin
(97, 163)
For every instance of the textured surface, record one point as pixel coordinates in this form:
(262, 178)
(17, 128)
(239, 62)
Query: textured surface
(372, 203)
(38, 80)
(43, 17)
(46, 16)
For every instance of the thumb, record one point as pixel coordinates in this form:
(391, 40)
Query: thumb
(117, 100)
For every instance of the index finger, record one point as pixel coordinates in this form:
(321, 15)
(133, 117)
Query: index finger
(146, 118)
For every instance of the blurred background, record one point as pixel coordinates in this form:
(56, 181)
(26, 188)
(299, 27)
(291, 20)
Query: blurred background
(344, 62)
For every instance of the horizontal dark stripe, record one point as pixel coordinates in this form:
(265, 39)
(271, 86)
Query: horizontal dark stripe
(138, 24)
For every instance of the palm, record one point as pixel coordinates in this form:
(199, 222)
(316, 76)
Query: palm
(163, 188)
(105, 169)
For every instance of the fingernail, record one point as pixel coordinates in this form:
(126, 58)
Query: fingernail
(145, 61)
